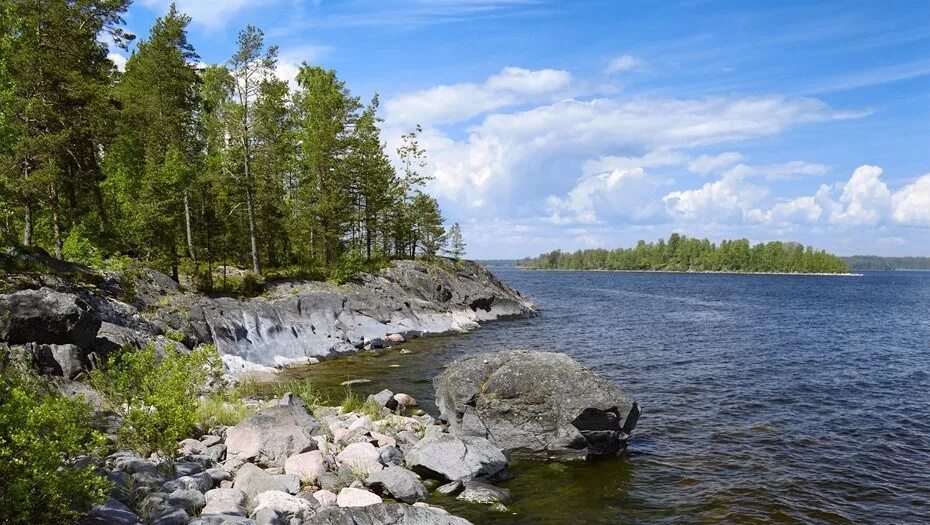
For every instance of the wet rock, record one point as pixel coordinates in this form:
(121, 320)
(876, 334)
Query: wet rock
(535, 402)
(398, 483)
(351, 497)
(47, 316)
(477, 492)
(272, 435)
(450, 489)
(447, 457)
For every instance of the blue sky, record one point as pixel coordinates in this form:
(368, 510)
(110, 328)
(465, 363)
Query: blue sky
(584, 124)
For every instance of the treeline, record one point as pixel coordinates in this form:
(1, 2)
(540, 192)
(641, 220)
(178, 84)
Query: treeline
(874, 262)
(688, 254)
(186, 167)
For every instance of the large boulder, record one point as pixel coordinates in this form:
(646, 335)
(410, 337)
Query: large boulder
(398, 483)
(535, 402)
(446, 458)
(253, 481)
(272, 435)
(47, 316)
(384, 514)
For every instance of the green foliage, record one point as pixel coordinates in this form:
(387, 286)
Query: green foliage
(684, 254)
(219, 410)
(456, 243)
(157, 397)
(356, 403)
(251, 388)
(41, 434)
(78, 248)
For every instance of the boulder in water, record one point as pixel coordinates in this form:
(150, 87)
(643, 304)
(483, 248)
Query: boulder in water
(535, 402)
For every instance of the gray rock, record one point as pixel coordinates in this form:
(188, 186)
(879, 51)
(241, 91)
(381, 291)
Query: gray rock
(451, 488)
(384, 398)
(187, 468)
(391, 455)
(131, 463)
(111, 512)
(291, 481)
(216, 452)
(383, 514)
(221, 519)
(189, 500)
(447, 457)
(218, 474)
(535, 402)
(267, 516)
(332, 482)
(398, 483)
(200, 482)
(253, 481)
(477, 492)
(175, 517)
(230, 502)
(272, 435)
(47, 316)
(67, 361)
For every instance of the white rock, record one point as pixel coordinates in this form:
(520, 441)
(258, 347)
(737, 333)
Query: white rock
(325, 497)
(405, 400)
(225, 501)
(363, 457)
(383, 439)
(307, 466)
(362, 423)
(349, 497)
(283, 503)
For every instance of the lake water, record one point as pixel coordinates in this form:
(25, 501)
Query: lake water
(766, 399)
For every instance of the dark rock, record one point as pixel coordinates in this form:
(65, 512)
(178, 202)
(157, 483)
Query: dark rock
(221, 519)
(391, 455)
(175, 517)
(398, 483)
(535, 402)
(47, 316)
(67, 361)
(111, 512)
(383, 514)
(190, 500)
(446, 457)
(384, 398)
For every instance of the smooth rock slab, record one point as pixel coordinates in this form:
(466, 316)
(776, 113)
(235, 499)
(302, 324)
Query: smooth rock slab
(350, 497)
(446, 457)
(47, 316)
(398, 483)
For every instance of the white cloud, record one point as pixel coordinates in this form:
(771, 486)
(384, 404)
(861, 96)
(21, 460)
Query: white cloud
(657, 158)
(458, 102)
(118, 60)
(800, 210)
(210, 13)
(865, 198)
(705, 164)
(730, 198)
(911, 204)
(793, 170)
(290, 59)
(619, 192)
(623, 63)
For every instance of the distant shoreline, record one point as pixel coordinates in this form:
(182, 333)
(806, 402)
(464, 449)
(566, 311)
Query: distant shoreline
(822, 274)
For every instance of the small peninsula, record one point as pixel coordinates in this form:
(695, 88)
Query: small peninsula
(688, 254)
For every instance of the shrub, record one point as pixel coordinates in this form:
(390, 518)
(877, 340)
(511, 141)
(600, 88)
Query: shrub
(217, 410)
(157, 398)
(41, 434)
(78, 248)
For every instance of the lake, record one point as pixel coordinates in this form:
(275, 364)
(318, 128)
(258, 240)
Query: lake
(766, 399)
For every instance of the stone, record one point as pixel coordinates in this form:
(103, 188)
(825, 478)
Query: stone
(201, 482)
(267, 516)
(331, 481)
(391, 455)
(362, 423)
(219, 474)
(68, 361)
(272, 435)
(110, 512)
(189, 500)
(307, 466)
(477, 492)
(350, 497)
(216, 452)
(447, 457)
(189, 447)
(253, 481)
(383, 514)
(221, 519)
(405, 400)
(361, 457)
(398, 483)
(285, 505)
(384, 398)
(46, 316)
(290, 481)
(535, 403)
(230, 502)
(451, 488)
(325, 497)
(383, 440)
(175, 517)
(132, 464)
(187, 468)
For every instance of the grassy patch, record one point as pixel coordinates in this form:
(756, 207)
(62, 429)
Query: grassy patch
(217, 410)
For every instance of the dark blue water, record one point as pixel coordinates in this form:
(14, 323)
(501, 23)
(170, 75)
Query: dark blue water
(767, 399)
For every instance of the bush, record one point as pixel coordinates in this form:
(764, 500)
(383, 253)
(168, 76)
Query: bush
(41, 434)
(78, 248)
(217, 410)
(157, 398)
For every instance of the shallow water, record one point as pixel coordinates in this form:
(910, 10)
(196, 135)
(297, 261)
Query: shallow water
(766, 399)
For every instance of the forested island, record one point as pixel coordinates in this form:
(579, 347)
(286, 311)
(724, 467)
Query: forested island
(688, 254)
(186, 167)
(874, 262)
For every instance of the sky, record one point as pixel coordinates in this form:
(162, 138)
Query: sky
(584, 124)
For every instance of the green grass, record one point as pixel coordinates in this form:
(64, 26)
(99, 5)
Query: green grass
(356, 403)
(303, 389)
(217, 410)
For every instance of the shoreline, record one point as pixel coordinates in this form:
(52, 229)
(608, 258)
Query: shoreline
(696, 272)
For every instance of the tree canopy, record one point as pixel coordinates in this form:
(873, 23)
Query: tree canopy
(688, 254)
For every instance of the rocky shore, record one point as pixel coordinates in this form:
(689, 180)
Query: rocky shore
(68, 317)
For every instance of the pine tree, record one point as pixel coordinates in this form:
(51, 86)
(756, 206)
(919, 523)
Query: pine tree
(456, 242)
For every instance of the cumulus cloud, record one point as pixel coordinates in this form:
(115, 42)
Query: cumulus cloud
(621, 192)
(732, 197)
(290, 60)
(623, 63)
(911, 204)
(459, 102)
(865, 198)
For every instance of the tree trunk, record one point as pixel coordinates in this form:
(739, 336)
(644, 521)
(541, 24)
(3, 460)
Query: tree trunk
(187, 224)
(252, 236)
(27, 226)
